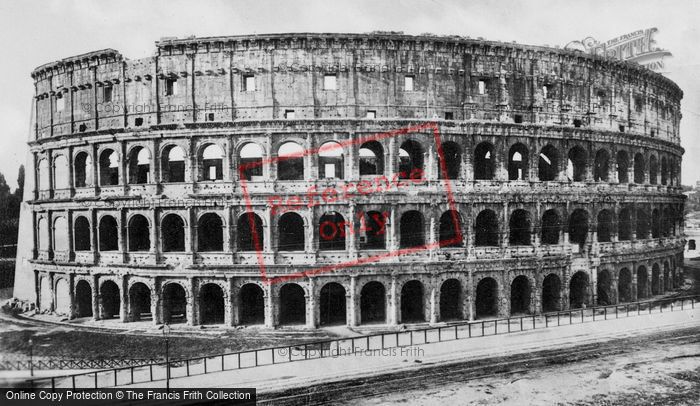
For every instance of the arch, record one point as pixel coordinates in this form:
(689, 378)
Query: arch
(83, 299)
(642, 282)
(108, 234)
(45, 300)
(250, 232)
(410, 159)
(371, 158)
(624, 286)
(518, 157)
(653, 170)
(484, 167)
(60, 234)
(578, 226)
(639, 166)
(450, 229)
(81, 234)
(551, 227)
(411, 229)
(519, 228)
(486, 229)
(60, 172)
(290, 165)
(642, 224)
(548, 165)
(655, 280)
(624, 225)
(373, 230)
(290, 232)
(174, 303)
(602, 166)
(82, 169)
(172, 163)
(331, 161)
(62, 294)
(412, 310)
(110, 300)
(140, 302)
(292, 304)
(623, 164)
(139, 165)
(331, 232)
(173, 233)
(250, 159)
(605, 226)
(551, 293)
(373, 303)
(451, 300)
(452, 157)
(139, 233)
(486, 303)
(578, 290)
(210, 233)
(43, 175)
(251, 299)
(333, 303)
(520, 295)
(109, 168)
(211, 163)
(576, 166)
(211, 304)
(43, 231)
(664, 171)
(604, 288)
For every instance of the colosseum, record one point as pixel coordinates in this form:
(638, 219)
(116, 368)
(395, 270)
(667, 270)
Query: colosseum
(564, 169)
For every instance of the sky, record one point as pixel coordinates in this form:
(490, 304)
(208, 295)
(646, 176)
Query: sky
(35, 32)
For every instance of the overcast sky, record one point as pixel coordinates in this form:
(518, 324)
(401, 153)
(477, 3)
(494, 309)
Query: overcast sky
(40, 31)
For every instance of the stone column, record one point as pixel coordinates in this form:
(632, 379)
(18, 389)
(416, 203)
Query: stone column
(191, 309)
(392, 303)
(230, 304)
(351, 303)
(267, 231)
(270, 316)
(124, 300)
(156, 305)
(433, 304)
(393, 229)
(95, 298)
(311, 313)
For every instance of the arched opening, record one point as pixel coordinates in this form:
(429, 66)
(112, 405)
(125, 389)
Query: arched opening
(655, 224)
(83, 299)
(371, 158)
(655, 280)
(604, 288)
(410, 159)
(486, 229)
(578, 227)
(331, 162)
(173, 233)
(653, 170)
(174, 304)
(576, 167)
(520, 295)
(578, 290)
(43, 175)
(519, 228)
(251, 304)
(486, 298)
(43, 234)
(290, 229)
(642, 224)
(45, 294)
(250, 232)
(173, 164)
(290, 165)
(373, 230)
(484, 167)
(452, 156)
(639, 169)
(210, 233)
(605, 226)
(451, 300)
(411, 229)
(664, 171)
(332, 304)
(450, 229)
(139, 165)
(211, 304)
(211, 161)
(602, 166)
(82, 167)
(624, 285)
(251, 161)
(60, 172)
(518, 162)
(81, 234)
(292, 304)
(110, 304)
(139, 234)
(140, 302)
(642, 283)
(548, 164)
(623, 164)
(373, 303)
(331, 232)
(551, 293)
(62, 297)
(624, 225)
(108, 234)
(412, 302)
(60, 234)
(109, 168)
(551, 227)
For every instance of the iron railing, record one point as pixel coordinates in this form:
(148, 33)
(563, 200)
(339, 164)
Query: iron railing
(57, 363)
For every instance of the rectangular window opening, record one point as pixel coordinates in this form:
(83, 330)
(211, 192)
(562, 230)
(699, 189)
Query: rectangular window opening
(170, 86)
(518, 118)
(248, 83)
(577, 122)
(408, 83)
(621, 128)
(60, 104)
(289, 114)
(482, 87)
(210, 116)
(107, 94)
(371, 114)
(138, 121)
(329, 82)
(449, 115)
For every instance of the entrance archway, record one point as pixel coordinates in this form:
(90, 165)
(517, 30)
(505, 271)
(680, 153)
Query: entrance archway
(373, 303)
(520, 295)
(487, 298)
(292, 304)
(450, 300)
(333, 308)
(551, 293)
(604, 288)
(211, 304)
(174, 304)
(109, 300)
(412, 302)
(251, 304)
(83, 299)
(139, 302)
(624, 285)
(578, 290)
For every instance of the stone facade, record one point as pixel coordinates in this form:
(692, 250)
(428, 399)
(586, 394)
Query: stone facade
(565, 169)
